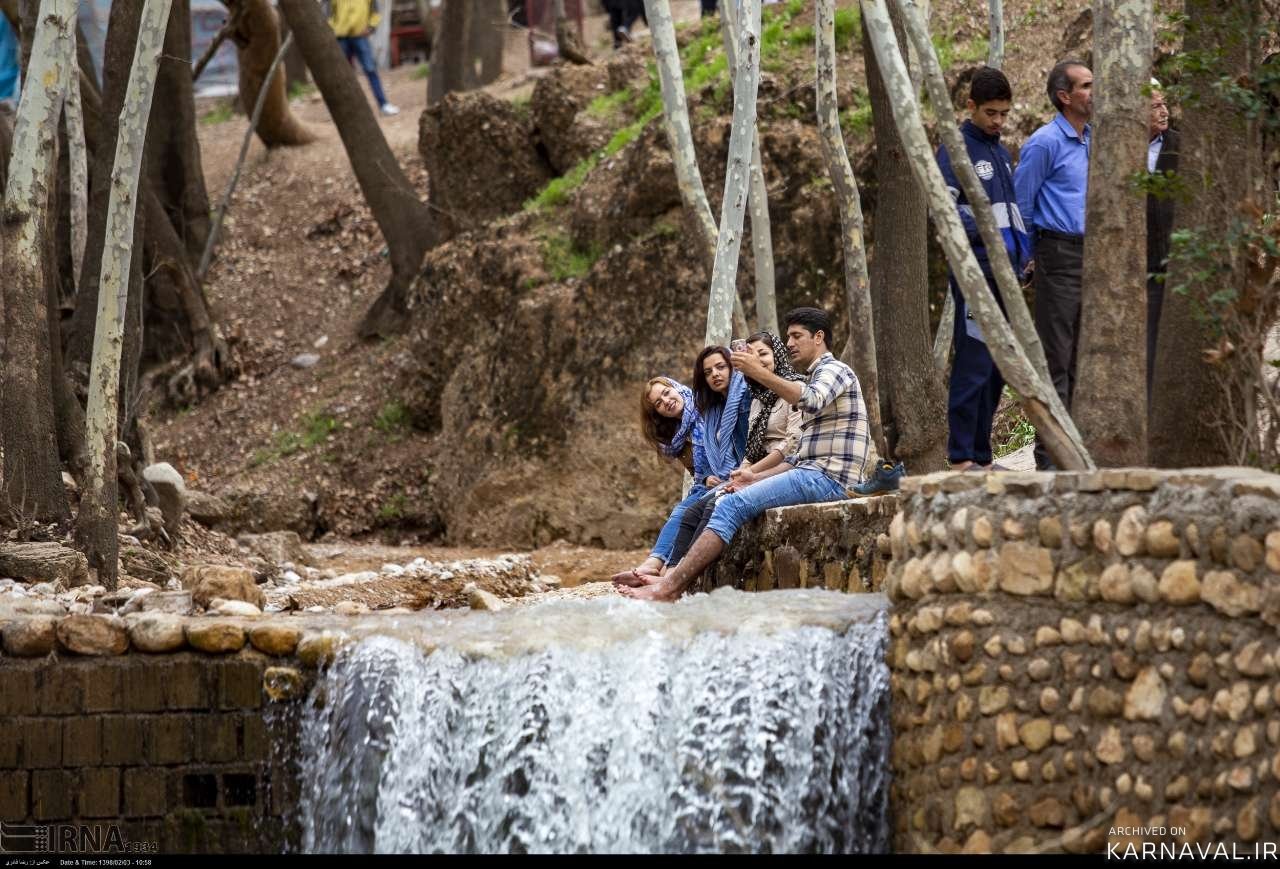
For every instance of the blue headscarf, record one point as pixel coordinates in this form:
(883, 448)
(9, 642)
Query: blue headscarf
(725, 428)
(690, 423)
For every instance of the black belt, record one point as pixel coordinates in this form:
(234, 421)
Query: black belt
(1062, 236)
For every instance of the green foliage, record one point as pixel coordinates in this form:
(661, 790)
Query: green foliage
(563, 260)
(392, 419)
(946, 50)
(219, 114)
(300, 89)
(316, 427)
(1011, 431)
(856, 121)
(608, 105)
(848, 27)
(558, 189)
(393, 508)
(420, 71)
(1022, 434)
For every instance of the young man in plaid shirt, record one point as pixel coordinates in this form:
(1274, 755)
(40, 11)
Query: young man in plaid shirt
(834, 455)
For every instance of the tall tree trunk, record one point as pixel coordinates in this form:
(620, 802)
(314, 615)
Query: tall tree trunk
(257, 39)
(405, 221)
(102, 119)
(295, 66)
(32, 473)
(860, 349)
(733, 209)
(758, 203)
(487, 38)
(173, 164)
(1110, 403)
(1039, 400)
(1220, 164)
(995, 44)
(1024, 326)
(451, 53)
(77, 169)
(911, 397)
(675, 115)
(96, 521)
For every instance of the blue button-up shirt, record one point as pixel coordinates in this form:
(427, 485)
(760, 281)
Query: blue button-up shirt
(1052, 178)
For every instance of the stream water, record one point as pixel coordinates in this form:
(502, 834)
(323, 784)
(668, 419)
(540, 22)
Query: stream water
(727, 722)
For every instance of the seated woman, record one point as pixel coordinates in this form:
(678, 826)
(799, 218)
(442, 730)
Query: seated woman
(773, 432)
(720, 398)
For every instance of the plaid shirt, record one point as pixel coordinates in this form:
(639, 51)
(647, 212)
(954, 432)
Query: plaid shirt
(834, 437)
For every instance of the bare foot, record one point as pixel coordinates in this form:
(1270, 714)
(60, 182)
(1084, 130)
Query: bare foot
(634, 578)
(657, 591)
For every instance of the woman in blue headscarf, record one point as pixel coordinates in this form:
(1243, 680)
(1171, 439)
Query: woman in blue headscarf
(712, 417)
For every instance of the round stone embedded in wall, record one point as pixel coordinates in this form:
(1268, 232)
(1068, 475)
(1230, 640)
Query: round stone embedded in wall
(215, 637)
(94, 635)
(1162, 540)
(30, 637)
(1246, 552)
(1179, 584)
(157, 633)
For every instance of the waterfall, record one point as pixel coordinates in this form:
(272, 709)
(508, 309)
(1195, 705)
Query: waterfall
(729, 722)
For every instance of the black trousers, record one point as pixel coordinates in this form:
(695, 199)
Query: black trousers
(1059, 264)
(1155, 303)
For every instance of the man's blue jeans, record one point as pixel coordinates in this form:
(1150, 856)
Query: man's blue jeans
(667, 537)
(796, 486)
(359, 48)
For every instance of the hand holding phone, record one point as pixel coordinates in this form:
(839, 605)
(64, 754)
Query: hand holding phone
(738, 345)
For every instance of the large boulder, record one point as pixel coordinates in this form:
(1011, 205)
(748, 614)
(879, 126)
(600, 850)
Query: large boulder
(565, 130)
(276, 547)
(209, 581)
(171, 491)
(44, 562)
(480, 159)
(247, 510)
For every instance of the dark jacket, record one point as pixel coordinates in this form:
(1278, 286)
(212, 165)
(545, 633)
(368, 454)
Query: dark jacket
(1160, 208)
(994, 167)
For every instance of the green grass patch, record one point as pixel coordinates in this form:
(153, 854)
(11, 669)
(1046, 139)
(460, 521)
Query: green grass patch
(563, 260)
(315, 428)
(1011, 431)
(392, 419)
(300, 89)
(856, 121)
(393, 508)
(848, 27)
(609, 105)
(558, 190)
(421, 71)
(219, 114)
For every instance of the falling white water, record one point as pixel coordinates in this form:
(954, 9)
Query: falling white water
(728, 722)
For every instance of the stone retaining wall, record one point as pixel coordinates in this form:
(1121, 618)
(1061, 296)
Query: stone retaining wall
(1076, 653)
(831, 546)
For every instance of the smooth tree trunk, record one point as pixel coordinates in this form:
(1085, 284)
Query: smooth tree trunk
(78, 169)
(1110, 403)
(737, 180)
(1191, 411)
(1019, 314)
(32, 472)
(675, 115)
(1039, 400)
(405, 222)
(942, 337)
(451, 53)
(860, 349)
(758, 204)
(203, 269)
(96, 522)
(995, 43)
(488, 39)
(257, 38)
(912, 401)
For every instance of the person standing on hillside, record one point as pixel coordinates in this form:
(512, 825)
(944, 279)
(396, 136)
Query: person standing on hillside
(1162, 159)
(976, 383)
(1051, 181)
(352, 22)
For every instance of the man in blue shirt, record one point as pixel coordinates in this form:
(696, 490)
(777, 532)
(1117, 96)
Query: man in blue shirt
(1051, 180)
(975, 381)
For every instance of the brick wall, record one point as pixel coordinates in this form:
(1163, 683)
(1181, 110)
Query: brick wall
(179, 750)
